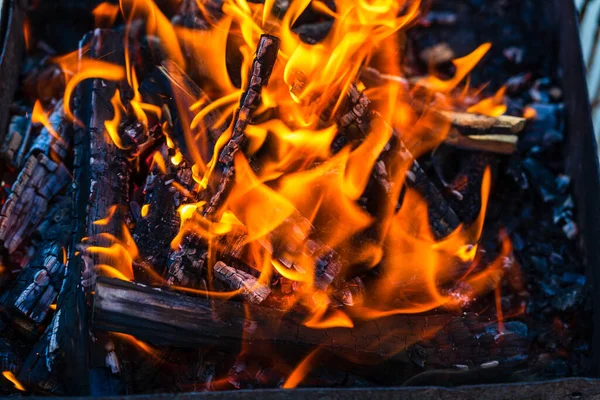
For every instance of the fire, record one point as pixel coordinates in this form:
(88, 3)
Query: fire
(297, 204)
(105, 14)
(11, 377)
(493, 106)
(301, 370)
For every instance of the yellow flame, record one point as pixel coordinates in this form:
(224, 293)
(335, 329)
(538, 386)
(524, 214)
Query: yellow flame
(11, 377)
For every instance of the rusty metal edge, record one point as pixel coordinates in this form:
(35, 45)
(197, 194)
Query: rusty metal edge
(12, 42)
(571, 388)
(581, 149)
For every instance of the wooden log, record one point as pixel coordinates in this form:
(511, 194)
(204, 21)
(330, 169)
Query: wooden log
(37, 184)
(47, 143)
(28, 301)
(471, 124)
(12, 15)
(442, 217)
(494, 143)
(166, 318)
(161, 199)
(17, 137)
(101, 174)
(37, 372)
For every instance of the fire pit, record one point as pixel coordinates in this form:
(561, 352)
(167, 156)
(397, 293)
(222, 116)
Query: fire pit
(219, 195)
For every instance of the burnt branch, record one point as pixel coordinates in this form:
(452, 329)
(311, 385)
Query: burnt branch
(262, 66)
(166, 318)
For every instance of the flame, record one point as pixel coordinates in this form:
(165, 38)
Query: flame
(493, 106)
(529, 113)
(146, 348)
(27, 33)
(77, 71)
(298, 201)
(301, 370)
(105, 14)
(11, 377)
(39, 116)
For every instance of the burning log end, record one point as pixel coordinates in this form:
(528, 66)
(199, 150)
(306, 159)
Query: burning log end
(251, 289)
(469, 123)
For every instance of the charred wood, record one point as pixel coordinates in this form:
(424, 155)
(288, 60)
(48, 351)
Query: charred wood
(37, 286)
(37, 184)
(37, 371)
(167, 318)
(250, 288)
(101, 174)
(16, 140)
(57, 143)
(262, 66)
(164, 192)
(443, 219)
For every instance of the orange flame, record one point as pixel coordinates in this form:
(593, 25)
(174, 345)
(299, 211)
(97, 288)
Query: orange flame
(493, 106)
(105, 15)
(11, 377)
(301, 370)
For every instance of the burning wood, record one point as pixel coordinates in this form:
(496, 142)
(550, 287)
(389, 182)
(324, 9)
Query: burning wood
(167, 318)
(279, 161)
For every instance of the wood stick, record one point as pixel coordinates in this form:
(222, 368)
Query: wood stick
(472, 124)
(262, 66)
(443, 219)
(166, 318)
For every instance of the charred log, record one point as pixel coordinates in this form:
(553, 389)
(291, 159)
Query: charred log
(101, 174)
(37, 184)
(37, 286)
(262, 66)
(167, 318)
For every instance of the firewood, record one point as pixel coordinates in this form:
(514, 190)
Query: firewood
(101, 173)
(12, 15)
(493, 143)
(166, 318)
(186, 262)
(472, 124)
(37, 184)
(442, 217)
(262, 66)
(253, 291)
(37, 372)
(162, 197)
(17, 137)
(47, 143)
(37, 286)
